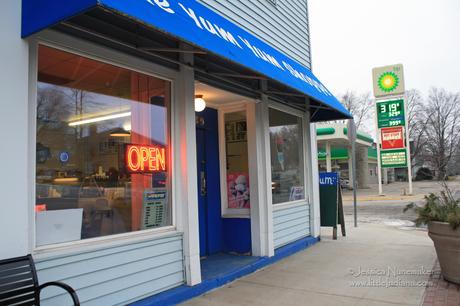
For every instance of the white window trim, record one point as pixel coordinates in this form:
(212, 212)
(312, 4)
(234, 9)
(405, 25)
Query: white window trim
(98, 243)
(302, 115)
(106, 55)
(225, 211)
(292, 204)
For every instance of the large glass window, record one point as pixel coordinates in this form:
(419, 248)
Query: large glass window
(287, 163)
(102, 157)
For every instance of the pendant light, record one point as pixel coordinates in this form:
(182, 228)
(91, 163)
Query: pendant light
(200, 103)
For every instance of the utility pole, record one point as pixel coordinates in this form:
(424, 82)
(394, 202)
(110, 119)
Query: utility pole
(352, 139)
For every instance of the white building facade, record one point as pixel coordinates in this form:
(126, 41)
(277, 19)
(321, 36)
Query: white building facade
(113, 181)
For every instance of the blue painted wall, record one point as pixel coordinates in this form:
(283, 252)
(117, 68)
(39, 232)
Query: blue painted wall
(237, 235)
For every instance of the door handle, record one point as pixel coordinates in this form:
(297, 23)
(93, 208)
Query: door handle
(203, 183)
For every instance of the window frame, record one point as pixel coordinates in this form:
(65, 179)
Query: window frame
(304, 126)
(225, 211)
(109, 56)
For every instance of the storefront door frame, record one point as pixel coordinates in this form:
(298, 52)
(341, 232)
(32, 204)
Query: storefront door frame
(260, 212)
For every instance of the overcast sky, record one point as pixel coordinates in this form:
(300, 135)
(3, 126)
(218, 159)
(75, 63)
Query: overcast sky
(350, 37)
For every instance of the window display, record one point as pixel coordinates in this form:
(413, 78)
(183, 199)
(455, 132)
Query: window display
(102, 149)
(236, 149)
(287, 163)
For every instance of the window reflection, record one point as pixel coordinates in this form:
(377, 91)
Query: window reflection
(87, 113)
(286, 150)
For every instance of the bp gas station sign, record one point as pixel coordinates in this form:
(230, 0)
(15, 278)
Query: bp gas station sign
(392, 138)
(391, 127)
(390, 113)
(391, 121)
(388, 80)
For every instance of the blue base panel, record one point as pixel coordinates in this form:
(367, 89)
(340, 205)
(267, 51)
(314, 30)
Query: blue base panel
(241, 266)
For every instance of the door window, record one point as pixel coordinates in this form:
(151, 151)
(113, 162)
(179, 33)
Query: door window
(236, 157)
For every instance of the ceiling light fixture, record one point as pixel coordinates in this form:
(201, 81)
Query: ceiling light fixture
(101, 118)
(119, 132)
(200, 103)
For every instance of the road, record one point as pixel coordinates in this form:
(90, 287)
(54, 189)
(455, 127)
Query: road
(388, 209)
(381, 212)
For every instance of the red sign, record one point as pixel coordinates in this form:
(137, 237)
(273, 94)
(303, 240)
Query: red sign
(145, 158)
(392, 138)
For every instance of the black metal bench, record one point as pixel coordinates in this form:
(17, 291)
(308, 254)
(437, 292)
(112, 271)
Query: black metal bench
(19, 283)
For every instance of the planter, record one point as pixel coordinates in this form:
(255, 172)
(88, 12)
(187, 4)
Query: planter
(447, 244)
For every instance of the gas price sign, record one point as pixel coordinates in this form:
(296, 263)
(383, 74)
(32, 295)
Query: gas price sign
(390, 113)
(393, 158)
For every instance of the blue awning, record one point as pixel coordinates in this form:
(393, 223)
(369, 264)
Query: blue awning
(195, 24)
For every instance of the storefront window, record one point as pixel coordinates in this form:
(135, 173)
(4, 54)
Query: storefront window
(102, 157)
(236, 153)
(286, 150)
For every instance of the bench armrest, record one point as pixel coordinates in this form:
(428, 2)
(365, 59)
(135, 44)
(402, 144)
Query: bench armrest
(66, 287)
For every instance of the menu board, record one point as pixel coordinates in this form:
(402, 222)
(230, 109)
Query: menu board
(154, 210)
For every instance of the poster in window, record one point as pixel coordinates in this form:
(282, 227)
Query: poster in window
(297, 193)
(236, 131)
(238, 190)
(240, 128)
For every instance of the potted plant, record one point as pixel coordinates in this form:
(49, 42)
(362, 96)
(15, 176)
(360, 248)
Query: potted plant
(442, 215)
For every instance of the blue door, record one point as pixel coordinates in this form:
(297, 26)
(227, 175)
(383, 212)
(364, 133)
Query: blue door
(209, 205)
(202, 182)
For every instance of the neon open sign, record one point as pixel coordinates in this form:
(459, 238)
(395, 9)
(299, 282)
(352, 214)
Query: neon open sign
(145, 158)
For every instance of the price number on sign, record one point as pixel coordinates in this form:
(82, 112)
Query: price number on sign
(395, 123)
(393, 109)
(390, 113)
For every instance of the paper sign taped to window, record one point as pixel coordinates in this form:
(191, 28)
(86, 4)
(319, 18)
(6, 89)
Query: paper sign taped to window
(154, 210)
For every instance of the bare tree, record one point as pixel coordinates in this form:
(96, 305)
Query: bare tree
(417, 126)
(50, 107)
(442, 115)
(359, 105)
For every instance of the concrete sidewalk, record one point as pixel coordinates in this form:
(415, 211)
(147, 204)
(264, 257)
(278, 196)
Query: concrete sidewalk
(350, 271)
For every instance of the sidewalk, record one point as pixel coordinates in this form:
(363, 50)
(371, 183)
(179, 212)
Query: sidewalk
(354, 270)
(440, 292)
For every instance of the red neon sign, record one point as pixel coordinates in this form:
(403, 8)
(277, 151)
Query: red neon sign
(145, 158)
